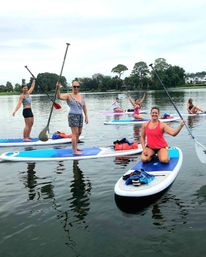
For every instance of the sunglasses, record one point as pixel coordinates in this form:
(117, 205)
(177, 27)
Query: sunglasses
(76, 86)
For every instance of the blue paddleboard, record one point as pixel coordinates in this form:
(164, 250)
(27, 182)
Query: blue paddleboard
(163, 176)
(66, 154)
(127, 122)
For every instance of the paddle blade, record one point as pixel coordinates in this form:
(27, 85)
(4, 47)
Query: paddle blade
(43, 135)
(57, 106)
(201, 151)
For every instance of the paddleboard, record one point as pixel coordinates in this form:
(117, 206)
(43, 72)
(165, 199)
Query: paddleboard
(127, 122)
(66, 154)
(194, 114)
(110, 113)
(164, 176)
(34, 142)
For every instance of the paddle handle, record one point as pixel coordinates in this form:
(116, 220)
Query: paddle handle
(55, 95)
(151, 65)
(38, 83)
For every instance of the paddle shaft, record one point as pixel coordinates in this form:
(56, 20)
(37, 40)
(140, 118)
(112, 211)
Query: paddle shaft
(55, 95)
(171, 99)
(39, 84)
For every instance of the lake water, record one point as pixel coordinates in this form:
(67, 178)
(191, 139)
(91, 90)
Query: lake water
(69, 208)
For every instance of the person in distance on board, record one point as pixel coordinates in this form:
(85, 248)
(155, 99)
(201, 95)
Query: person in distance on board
(152, 137)
(137, 105)
(116, 106)
(75, 117)
(26, 100)
(191, 108)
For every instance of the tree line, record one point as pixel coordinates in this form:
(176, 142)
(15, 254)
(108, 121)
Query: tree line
(140, 78)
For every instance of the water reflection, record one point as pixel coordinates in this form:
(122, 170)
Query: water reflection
(137, 133)
(71, 210)
(192, 121)
(158, 205)
(201, 195)
(81, 190)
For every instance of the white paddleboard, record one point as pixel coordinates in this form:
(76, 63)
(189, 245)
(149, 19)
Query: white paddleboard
(110, 113)
(66, 154)
(128, 122)
(164, 176)
(194, 114)
(34, 142)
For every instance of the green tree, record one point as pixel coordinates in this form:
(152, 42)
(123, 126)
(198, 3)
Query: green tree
(119, 69)
(141, 71)
(9, 87)
(160, 64)
(17, 87)
(2, 88)
(48, 81)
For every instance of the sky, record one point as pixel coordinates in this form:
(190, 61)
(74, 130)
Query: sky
(101, 33)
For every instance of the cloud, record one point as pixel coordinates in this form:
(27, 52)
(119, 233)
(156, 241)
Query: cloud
(102, 34)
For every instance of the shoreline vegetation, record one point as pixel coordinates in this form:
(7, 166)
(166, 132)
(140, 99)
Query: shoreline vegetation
(141, 78)
(186, 86)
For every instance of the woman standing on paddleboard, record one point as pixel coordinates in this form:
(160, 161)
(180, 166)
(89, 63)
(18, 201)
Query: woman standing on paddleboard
(25, 99)
(75, 117)
(152, 138)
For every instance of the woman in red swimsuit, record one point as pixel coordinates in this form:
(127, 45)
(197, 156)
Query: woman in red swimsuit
(137, 105)
(152, 137)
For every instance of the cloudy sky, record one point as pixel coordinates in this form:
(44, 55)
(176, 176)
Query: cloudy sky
(102, 34)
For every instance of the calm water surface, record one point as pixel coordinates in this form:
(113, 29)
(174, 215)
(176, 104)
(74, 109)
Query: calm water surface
(69, 208)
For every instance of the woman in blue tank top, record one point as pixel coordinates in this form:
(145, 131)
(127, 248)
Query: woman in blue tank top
(75, 117)
(25, 100)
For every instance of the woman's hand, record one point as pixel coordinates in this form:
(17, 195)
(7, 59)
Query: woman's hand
(58, 85)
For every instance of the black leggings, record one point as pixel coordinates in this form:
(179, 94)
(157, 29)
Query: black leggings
(27, 113)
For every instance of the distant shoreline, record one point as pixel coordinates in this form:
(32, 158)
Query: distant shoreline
(179, 87)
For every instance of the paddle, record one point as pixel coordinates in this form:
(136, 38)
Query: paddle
(200, 149)
(56, 105)
(43, 136)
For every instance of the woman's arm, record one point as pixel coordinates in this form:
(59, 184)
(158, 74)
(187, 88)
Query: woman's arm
(131, 100)
(32, 86)
(85, 113)
(59, 95)
(142, 99)
(171, 131)
(18, 105)
(142, 139)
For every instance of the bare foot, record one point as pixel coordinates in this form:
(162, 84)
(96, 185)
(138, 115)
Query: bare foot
(27, 139)
(77, 152)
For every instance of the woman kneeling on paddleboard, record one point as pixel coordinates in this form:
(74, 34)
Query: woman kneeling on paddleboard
(137, 105)
(75, 117)
(25, 99)
(152, 138)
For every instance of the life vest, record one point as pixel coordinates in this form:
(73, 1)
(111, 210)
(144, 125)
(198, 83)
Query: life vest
(58, 135)
(124, 144)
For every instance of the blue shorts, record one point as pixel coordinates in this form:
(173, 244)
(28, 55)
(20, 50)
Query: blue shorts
(75, 120)
(27, 113)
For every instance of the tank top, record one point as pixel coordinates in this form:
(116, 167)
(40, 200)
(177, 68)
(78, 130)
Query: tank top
(75, 106)
(26, 101)
(155, 137)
